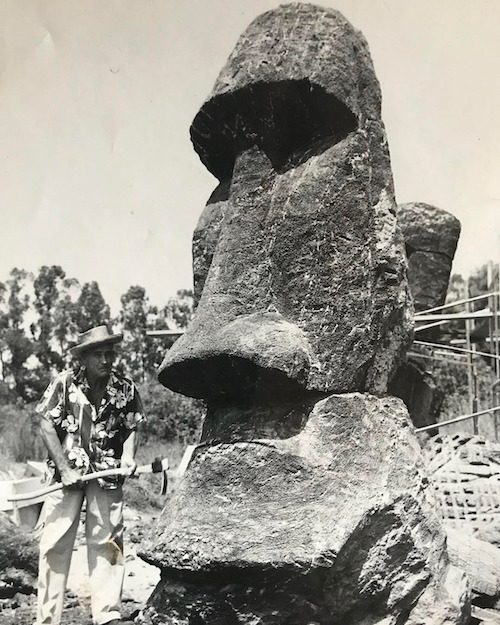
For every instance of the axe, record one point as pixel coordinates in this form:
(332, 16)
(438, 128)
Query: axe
(158, 465)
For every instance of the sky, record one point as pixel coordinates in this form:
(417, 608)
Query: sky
(97, 172)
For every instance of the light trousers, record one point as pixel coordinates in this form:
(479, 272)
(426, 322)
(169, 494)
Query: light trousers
(104, 534)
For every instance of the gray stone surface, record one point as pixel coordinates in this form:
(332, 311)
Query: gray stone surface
(417, 388)
(305, 501)
(431, 236)
(330, 524)
(299, 265)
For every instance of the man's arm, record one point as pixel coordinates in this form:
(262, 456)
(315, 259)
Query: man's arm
(128, 455)
(70, 478)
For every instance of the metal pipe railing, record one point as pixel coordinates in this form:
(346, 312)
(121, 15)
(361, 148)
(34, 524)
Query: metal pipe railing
(452, 348)
(457, 419)
(457, 303)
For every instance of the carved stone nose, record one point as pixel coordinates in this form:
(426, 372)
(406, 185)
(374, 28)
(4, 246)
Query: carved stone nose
(239, 345)
(259, 356)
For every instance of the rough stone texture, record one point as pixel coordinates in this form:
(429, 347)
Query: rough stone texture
(18, 559)
(305, 502)
(329, 525)
(299, 264)
(416, 387)
(431, 236)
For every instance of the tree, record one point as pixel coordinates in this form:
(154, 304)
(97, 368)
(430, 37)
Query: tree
(133, 318)
(170, 416)
(91, 308)
(48, 285)
(179, 309)
(15, 346)
(176, 314)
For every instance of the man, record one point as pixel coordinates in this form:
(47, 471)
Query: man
(89, 416)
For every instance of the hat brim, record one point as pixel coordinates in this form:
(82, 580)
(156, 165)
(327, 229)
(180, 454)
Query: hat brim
(77, 350)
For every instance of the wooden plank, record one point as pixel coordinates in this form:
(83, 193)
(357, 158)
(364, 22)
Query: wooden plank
(480, 561)
(9, 488)
(488, 617)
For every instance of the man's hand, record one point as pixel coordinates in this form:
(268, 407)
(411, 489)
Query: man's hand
(71, 479)
(129, 465)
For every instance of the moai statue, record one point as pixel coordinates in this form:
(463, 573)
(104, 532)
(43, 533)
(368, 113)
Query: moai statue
(431, 236)
(305, 500)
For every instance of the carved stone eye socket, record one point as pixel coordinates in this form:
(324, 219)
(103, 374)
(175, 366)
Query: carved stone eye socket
(290, 121)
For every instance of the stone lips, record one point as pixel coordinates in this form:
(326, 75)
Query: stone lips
(277, 490)
(279, 513)
(303, 234)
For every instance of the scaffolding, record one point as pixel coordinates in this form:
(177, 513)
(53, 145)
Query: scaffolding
(475, 326)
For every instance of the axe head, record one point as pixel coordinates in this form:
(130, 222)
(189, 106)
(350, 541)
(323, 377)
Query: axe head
(160, 465)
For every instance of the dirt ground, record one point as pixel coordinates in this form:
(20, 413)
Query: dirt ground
(140, 580)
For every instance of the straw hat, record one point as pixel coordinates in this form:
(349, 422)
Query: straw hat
(99, 335)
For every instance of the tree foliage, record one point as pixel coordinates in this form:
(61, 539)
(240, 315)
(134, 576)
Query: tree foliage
(91, 309)
(16, 346)
(40, 318)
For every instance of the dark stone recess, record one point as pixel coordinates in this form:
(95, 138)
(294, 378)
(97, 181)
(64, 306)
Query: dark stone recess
(289, 120)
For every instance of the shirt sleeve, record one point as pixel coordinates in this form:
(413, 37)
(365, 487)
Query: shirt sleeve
(51, 405)
(134, 413)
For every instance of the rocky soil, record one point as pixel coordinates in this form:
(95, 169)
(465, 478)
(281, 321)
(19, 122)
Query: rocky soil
(140, 580)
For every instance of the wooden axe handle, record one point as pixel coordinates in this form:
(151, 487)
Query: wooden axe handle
(155, 467)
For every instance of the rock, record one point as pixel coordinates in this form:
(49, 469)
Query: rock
(444, 604)
(431, 236)
(417, 388)
(464, 471)
(18, 559)
(321, 524)
(479, 560)
(299, 264)
(305, 501)
(487, 617)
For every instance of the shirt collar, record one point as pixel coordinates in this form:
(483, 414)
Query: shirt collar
(81, 379)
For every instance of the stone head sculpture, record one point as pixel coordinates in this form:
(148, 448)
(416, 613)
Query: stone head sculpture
(307, 475)
(431, 236)
(298, 267)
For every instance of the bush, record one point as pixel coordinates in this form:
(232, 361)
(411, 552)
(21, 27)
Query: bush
(169, 416)
(19, 437)
(451, 378)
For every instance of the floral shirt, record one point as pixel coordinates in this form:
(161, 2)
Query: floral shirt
(65, 403)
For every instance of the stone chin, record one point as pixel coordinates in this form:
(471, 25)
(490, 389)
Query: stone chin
(273, 522)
